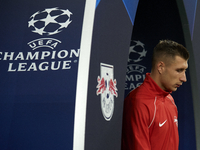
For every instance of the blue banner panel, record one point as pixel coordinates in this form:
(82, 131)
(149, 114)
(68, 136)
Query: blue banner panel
(191, 10)
(110, 44)
(155, 21)
(131, 6)
(39, 53)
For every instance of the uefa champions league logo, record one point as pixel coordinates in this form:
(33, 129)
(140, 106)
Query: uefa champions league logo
(136, 52)
(107, 88)
(44, 55)
(50, 21)
(135, 73)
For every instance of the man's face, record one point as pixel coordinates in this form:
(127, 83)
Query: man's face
(173, 75)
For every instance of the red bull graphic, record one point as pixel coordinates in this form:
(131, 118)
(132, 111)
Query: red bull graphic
(102, 86)
(107, 88)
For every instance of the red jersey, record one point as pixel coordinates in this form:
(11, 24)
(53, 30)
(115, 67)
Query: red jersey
(150, 119)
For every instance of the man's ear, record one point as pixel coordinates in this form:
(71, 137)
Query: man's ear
(160, 67)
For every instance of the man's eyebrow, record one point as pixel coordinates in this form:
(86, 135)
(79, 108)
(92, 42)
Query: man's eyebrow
(182, 69)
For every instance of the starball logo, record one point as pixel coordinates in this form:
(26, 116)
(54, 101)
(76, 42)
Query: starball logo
(43, 54)
(50, 21)
(135, 73)
(106, 87)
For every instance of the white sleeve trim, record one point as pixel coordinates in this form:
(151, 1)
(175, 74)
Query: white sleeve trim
(154, 113)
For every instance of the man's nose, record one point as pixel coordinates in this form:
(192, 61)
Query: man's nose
(183, 77)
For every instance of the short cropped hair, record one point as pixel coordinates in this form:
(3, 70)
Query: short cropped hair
(168, 49)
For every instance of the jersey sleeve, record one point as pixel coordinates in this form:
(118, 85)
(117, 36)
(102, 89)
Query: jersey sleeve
(135, 128)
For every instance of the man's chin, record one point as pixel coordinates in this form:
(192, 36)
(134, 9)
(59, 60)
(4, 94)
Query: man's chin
(174, 89)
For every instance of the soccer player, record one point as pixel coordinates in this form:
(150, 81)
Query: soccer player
(150, 114)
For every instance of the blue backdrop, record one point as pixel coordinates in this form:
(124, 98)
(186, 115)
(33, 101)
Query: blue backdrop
(39, 51)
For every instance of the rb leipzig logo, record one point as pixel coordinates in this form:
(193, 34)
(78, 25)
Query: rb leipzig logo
(107, 88)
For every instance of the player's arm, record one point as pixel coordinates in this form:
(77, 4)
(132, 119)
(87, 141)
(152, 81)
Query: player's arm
(135, 131)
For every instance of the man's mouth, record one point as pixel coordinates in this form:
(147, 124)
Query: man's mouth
(178, 85)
